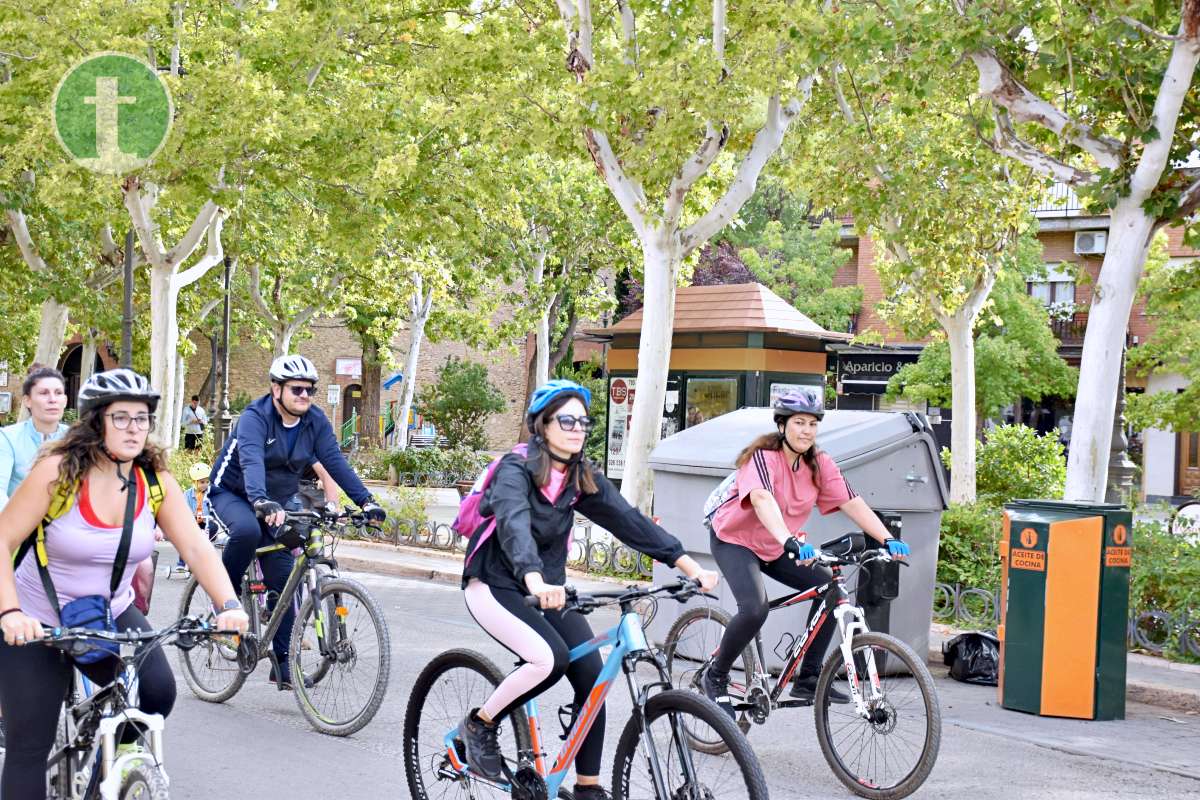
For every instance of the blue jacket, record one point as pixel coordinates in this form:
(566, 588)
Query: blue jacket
(19, 444)
(255, 463)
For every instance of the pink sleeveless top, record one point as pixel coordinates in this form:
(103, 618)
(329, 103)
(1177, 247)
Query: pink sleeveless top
(81, 551)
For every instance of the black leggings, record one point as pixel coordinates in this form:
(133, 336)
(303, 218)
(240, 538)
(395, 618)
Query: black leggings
(34, 680)
(743, 571)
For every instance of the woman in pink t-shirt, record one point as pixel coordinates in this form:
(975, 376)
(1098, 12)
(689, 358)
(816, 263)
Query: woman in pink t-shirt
(757, 529)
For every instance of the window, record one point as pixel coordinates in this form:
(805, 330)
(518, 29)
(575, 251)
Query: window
(708, 398)
(1056, 289)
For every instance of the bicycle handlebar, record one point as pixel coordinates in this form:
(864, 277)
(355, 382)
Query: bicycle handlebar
(680, 590)
(76, 640)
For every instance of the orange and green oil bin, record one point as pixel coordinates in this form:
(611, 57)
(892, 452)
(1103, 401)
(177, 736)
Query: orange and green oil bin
(1064, 608)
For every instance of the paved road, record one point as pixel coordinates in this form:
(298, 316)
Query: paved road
(259, 745)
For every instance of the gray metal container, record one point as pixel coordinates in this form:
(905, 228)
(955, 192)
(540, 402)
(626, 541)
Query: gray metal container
(890, 459)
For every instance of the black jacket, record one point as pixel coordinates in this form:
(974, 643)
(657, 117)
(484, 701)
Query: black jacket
(531, 532)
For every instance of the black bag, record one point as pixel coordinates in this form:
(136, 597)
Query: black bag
(973, 657)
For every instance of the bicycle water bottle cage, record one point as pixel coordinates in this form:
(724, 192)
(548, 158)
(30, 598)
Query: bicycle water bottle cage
(566, 718)
(782, 650)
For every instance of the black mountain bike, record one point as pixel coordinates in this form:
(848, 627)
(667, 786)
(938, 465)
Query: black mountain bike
(883, 744)
(340, 651)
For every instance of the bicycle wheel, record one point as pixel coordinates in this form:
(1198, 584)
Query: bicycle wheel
(598, 556)
(144, 782)
(685, 771)
(349, 673)
(889, 753)
(689, 647)
(210, 669)
(446, 690)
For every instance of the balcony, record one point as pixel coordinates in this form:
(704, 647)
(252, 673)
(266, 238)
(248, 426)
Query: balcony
(1069, 330)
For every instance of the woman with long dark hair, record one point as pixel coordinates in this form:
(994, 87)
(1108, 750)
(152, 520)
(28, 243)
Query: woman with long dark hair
(757, 529)
(99, 462)
(534, 499)
(44, 396)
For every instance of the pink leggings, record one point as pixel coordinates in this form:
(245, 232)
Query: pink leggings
(542, 640)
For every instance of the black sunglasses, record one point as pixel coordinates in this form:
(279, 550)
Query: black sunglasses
(300, 391)
(568, 422)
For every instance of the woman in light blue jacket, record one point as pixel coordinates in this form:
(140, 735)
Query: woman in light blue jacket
(44, 394)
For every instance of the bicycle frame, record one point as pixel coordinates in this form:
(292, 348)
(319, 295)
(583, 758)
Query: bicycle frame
(303, 569)
(850, 621)
(97, 708)
(630, 646)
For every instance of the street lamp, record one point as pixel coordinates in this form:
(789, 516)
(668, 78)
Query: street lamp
(224, 418)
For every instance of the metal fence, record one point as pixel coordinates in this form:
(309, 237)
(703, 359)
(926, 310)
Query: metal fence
(1152, 630)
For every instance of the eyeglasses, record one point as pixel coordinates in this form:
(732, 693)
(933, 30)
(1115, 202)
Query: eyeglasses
(121, 421)
(300, 391)
(568, 422)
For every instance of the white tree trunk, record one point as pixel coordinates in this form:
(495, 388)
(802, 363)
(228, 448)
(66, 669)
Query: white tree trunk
(421, 307)
(1130, 231)
(283, 341)
(541, 367)
(87, 360)
(661, 259)
(164, 344)
(177, 408)
(51, 332)
(959, 336)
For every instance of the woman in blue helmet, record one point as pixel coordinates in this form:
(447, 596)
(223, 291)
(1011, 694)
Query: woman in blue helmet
(534, 499)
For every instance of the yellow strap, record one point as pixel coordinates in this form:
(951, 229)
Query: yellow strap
(40, 545)
(154, 489)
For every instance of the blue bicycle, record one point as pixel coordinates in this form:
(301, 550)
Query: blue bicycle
(654, 759)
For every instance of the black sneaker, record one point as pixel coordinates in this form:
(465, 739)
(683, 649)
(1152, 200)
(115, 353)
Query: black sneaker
(590, 792)
(482, 743)
(716, 688)
(286, 684)
(805, 689)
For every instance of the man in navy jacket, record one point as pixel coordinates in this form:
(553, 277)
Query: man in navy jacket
(258, 471)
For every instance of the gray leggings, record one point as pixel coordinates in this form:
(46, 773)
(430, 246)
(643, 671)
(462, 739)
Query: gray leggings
(743, 572)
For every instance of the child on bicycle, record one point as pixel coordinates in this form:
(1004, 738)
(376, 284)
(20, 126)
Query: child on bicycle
(534, 499)
(102, 458)
(781, 477)
(196, 497)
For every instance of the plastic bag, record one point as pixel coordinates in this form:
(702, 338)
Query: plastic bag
(973, 657)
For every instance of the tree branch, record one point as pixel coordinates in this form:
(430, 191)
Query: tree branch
(629, 195)
(256, 294)
(719, 16)
(1006, 142)
(214, 255)
(20, 229)
(629, 31)
(1146, 29)
(691, 171)
(1189, 201)
(997, 84)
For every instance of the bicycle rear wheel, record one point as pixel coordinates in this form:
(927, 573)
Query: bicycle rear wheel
(210, 669)
(889, 753)
(690, 645)
(446, 690)
(670, 718)
(349, 672)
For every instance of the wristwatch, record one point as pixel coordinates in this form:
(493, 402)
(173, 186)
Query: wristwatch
(232, 604)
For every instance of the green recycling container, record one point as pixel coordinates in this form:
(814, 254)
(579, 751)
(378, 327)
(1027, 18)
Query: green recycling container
(1064, 608)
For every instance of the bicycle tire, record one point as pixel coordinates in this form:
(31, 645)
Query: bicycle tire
(210, 651)
(415, 753)
(144, 782)
(678, 703)
(686, 677)
(862, 785)
(306, 697)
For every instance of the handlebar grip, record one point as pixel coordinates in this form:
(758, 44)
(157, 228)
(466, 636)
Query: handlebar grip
(532, 601)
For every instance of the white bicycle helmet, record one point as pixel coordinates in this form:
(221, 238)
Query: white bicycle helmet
(113, 385)
(293, 368)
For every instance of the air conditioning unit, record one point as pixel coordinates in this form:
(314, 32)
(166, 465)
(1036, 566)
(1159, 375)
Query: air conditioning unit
(1090, 243)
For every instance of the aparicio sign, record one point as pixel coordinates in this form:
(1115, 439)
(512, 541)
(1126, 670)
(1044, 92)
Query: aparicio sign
(871, 367)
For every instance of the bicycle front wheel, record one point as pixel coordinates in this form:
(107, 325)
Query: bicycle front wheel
(210, 669)
(144, 782)
(453, 684)
(671, 720)
(341, 677)
(889, 752)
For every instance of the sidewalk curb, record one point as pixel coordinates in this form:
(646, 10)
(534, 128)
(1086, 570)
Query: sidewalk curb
(1151, 694)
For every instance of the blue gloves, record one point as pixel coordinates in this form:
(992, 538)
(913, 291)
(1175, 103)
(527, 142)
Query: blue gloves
(797, 551)
(897, 548)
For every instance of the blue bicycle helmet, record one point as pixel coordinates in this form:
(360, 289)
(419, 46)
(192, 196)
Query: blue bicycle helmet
(551, 389)
(799, 401)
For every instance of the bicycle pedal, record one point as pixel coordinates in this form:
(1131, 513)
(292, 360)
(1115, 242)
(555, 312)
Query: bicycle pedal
(794, 703)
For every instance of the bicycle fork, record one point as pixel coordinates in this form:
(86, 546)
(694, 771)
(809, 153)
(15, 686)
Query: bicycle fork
(678, 732)
(851, 623)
